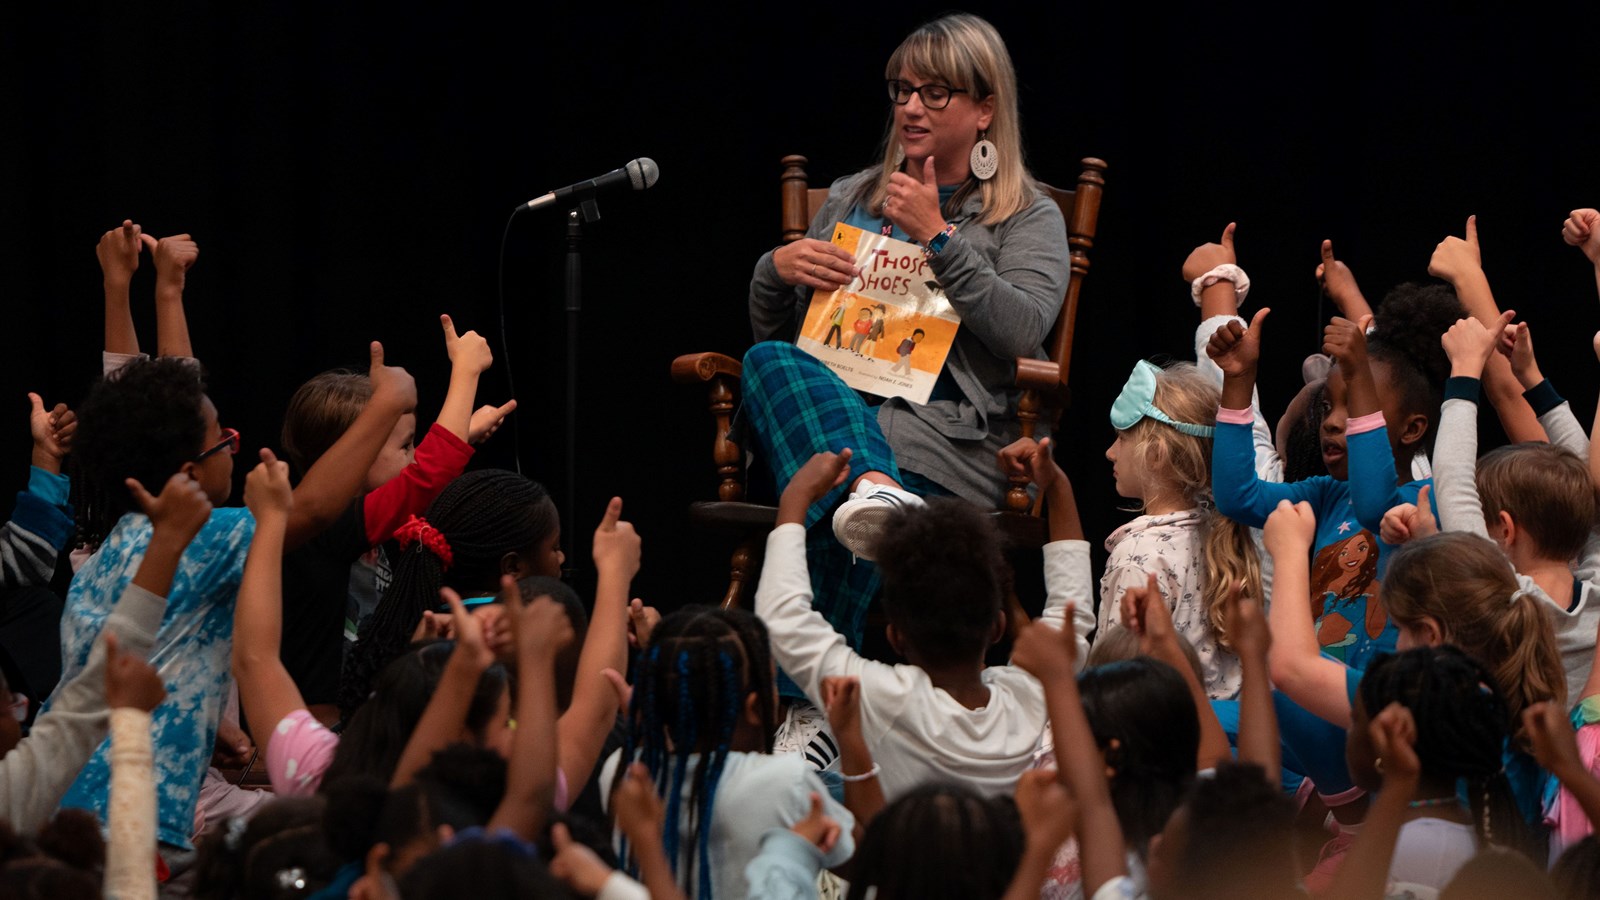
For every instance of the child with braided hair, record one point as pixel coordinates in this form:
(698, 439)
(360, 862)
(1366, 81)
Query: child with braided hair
(400, 483)
(701, 719)
(1454, 588)
(485, 525)
(1460, 801)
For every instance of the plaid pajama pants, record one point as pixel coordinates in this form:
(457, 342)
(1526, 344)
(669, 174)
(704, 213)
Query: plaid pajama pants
(795, 407)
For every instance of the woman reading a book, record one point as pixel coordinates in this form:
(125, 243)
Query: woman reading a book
(952, 180)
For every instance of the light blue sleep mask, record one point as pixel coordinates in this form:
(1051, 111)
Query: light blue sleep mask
(1138, 401)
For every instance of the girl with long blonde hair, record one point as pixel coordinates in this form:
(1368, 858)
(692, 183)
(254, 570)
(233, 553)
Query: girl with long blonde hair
(1162, 459)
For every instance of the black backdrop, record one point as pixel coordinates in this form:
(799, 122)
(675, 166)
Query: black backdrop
(348, 174)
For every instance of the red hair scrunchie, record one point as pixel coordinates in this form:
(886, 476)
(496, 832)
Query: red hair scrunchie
(417, 530)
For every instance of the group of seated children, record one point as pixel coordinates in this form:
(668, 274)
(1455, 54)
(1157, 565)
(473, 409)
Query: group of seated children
(1344, 657)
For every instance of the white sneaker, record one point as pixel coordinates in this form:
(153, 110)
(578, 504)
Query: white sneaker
(860, 520)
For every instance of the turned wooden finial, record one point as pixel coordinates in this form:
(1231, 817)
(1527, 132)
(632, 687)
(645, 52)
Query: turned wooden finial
(796, 218)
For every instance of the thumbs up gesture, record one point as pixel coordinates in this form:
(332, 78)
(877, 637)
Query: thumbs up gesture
(1410, 521)
(913, 202)
(1469, 343)
(1455, 258)
(1206, 257)
(391, 385)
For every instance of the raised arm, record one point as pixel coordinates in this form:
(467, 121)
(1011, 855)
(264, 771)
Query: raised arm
(267, 694)
(1258, 722)
(583, 728)
(339, 474)
(1218, 287)
(1147, 615)
(1555, 415)
(1296, 662)
(1374, 477)
(1066, 557)
(1212, 271)
(173, 256)
(443, 452)
(1008, 304)
(1460, 263)
(1240, 494)
(1049, 817)
(1036, 461)
(36, 774)
(470, 357)
(803, 643)
(1470, 345)
(133, 690)
(445, 715)
(118, 252)
(1582, 230)
(1049, 656)
(1556, 749)
(640, 815)
(863, 792)
(542, 630)
(1339, 284)
(1364, 874)
(41, 523)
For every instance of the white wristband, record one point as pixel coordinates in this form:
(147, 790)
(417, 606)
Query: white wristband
(1224, 272)
(870, 773)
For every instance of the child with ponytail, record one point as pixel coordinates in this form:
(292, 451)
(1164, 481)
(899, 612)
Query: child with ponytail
(1460, 801)
(1165, 418)
(404, 478)
(1452, 588)
(701, 720)
(485, 524)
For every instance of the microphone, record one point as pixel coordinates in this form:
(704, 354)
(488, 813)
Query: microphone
(639, 174)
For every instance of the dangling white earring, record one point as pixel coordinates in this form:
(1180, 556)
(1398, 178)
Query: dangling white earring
(899, 156)
(985, 159)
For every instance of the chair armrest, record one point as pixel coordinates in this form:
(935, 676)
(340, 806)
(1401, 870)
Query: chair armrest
(701, 367)
(1044, 377)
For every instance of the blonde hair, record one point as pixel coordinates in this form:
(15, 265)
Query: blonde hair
(1183, 462)
(1463, 582)
(966, 52)
(1546, 489)
(1116, 643)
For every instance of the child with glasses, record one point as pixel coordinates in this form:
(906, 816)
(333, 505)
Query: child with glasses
(146, 422)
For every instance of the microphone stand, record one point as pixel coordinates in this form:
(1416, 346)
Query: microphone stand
(585, 213)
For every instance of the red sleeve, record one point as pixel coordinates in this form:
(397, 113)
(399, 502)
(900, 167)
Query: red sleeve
(440, 459)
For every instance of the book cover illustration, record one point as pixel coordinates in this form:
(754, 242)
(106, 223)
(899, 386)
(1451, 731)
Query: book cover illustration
(889, 331)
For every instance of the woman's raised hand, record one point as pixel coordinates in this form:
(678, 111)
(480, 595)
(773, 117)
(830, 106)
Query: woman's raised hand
(913, 203)
(815, 264)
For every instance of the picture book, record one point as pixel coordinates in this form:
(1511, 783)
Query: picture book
(889, 331)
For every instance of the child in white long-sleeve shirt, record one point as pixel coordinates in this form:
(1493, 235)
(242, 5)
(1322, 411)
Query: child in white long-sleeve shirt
(945, 716)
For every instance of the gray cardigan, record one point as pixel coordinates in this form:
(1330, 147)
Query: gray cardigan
(36, 774)
(1006, 282)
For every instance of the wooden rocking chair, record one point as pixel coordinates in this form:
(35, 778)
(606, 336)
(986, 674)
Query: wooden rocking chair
(1043, 382)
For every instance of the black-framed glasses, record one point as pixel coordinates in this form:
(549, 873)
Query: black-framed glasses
(934, 96)
(229, 442)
